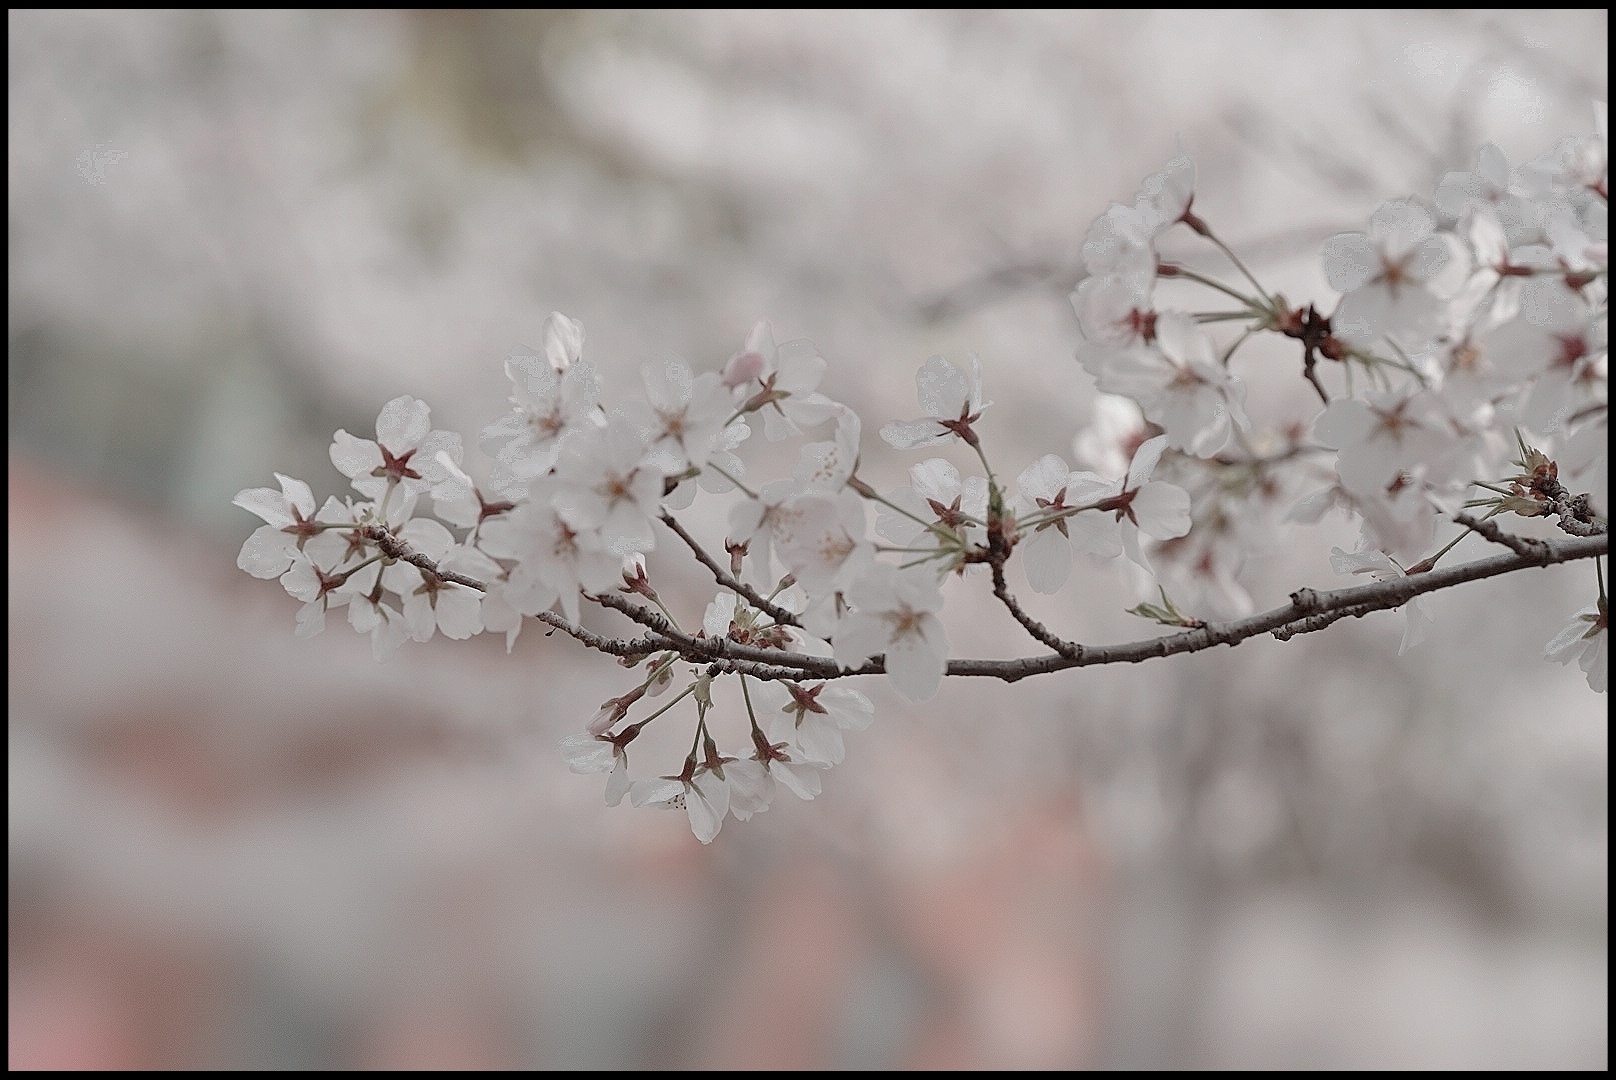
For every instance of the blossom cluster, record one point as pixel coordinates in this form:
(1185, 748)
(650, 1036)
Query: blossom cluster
(1467, 352)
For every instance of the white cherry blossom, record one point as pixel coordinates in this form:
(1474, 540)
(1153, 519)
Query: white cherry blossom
(289, 517)
(952, 400)
(555, 560)
(460, 500)
(1137, 504)
(1489, 187)
(1114, 432)
(822, 539)
(1388, 439)
(1046, 489)
(895, 614)
(604, 482)
(547, 404)
(762, 523)
(1585, 639)
(827, 466)
(703, 796)
(403, 455)
(1179, 383)
(563, 341)
(936, 495)
(780, 382)
(810, 719)
(1386, 276)
(588, 753)
(682, 415)
(315, 579)
(430, 602)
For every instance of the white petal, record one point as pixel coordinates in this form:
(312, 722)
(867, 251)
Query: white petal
(587, 754)
(617, 784)
(848, 707)
(942, 388)
(1162, 510)
(706, 802)
(267, 553)
(403, 423)
(354, 457)
(1344, 423)
(909, 435)
(1047, 559)
(915, 662)
(1144, 461)
(460, 612)
(656, 791)
(563, 340)
(801, 780)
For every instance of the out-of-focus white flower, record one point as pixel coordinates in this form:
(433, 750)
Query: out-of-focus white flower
(780, 382)
(1585, 639)
(1114, 432)
(1385, 439)
(895, 613)
(1558, 342)
(682, 415)
(563, 341)
(1387, 276)
(827, 466)
(549, 400)
(1489, 187)
(1379, 566)
(1115, 310)
(822, 540)
(1179, 384)
(605, 483)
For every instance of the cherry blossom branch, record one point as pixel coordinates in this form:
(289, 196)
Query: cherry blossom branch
(726, 579)
(998, 552)
(394, 548)
(640, 648)
(1308, 611)
(1070, 650)
(1524, 546)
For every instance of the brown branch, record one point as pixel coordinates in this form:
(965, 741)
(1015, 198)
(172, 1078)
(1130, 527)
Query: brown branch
(639, 648)
(394, 548)
(1068, 649)
(728, 580)
(1308, 611)
(1524, 546)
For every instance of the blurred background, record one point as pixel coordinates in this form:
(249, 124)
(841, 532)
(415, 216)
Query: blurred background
(232, 233)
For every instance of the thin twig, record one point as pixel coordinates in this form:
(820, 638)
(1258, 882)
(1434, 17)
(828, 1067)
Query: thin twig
(726, 579)
(1068, 649)
(394, 548)
(1523, 546)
